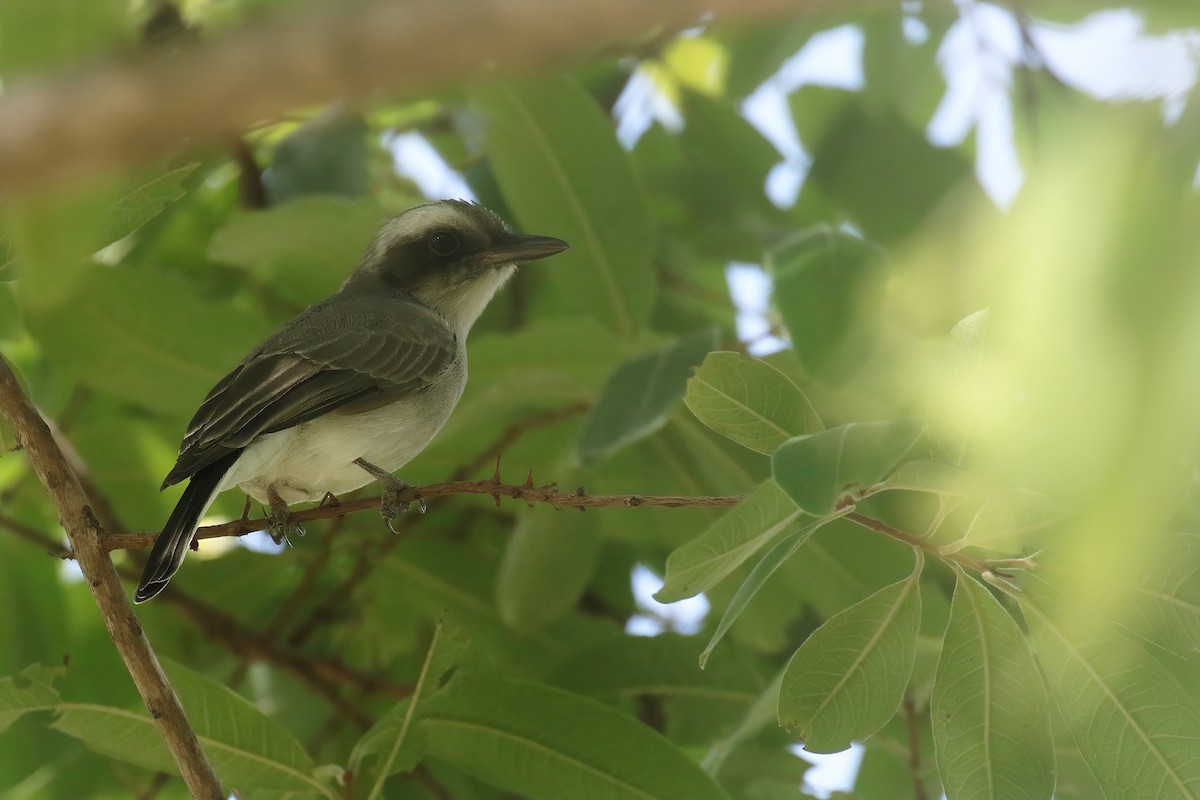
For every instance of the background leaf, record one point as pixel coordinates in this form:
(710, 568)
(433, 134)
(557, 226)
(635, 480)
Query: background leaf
(637, 399)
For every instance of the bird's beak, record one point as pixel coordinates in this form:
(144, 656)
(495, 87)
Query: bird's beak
(524, 248)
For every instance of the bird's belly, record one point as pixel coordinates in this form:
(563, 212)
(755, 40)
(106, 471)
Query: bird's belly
(315, 457)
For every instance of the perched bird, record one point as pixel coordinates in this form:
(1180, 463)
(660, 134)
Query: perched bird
(354, 387)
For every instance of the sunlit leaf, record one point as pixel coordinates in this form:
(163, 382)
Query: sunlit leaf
(849, 677)
(749, 401)
(1136, 727)
(751, 525)
(819, 470)
(991, 719)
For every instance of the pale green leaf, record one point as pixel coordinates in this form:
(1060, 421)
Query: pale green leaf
(1136, 727)
(245, 747)
(764, 515)
(775, 557)
(821, 469)
(991, 719)
(32, 690)
(849, 677)
(539, 742)
(145, 199)
(556, 157)
(749, 401)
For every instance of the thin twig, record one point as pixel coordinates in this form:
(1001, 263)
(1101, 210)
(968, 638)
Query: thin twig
(514, 432)
(77, 516)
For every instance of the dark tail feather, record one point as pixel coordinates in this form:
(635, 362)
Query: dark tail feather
(172, 544)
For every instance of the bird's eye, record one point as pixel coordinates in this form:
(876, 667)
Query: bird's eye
(443, 243)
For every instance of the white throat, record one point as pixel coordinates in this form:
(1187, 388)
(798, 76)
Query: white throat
(461, 306)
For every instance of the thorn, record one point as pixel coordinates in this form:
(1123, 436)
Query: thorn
(496, 473)
(529, 480)
(330, 499)
(579, 491)
(496, 499)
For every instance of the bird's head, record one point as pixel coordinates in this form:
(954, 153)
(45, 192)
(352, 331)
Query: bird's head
(452, 256)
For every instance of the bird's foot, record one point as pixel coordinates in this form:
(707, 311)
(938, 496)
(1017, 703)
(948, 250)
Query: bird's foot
(280, 518)
(390, 506)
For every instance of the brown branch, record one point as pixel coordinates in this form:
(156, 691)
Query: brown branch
(494, 488)
(77, 516)
(144, 107)
(914, 748)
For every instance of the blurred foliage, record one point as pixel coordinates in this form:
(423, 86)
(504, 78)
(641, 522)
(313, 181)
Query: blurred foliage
(968, 444)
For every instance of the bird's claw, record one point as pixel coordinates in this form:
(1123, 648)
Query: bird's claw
(390, 506)
(279, 519)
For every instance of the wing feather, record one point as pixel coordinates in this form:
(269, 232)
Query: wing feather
(350, 353)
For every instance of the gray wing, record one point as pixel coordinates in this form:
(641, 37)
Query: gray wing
(351, 356)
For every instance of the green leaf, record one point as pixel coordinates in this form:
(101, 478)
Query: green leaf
(883, 173)
(641, 394)
(396, 735)
(664, 666)
(325, 155)
(829, 287)
(1136, 727)
(147, 337)
(764, 569)
(749, 401)
(246, 748)
(849, 677)
(145, 199)
(37, 33)
(991, 719)
(304, 249)
(556, 157)
(546, 566)
(1164, 597)
(539, 742)
(54, 236)
(818, 471)
(767, 513)
(32, 690)
(1011, 522)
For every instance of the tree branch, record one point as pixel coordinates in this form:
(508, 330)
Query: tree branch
(141, 108)
(86, 535)
(547, 494)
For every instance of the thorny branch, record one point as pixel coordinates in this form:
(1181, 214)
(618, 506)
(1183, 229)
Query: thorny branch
(546, 494)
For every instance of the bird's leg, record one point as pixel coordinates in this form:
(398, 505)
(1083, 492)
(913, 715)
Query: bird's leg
(280, 518)
(390, 506)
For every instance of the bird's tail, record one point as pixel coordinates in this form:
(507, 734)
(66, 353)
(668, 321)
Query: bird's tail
(172, 544)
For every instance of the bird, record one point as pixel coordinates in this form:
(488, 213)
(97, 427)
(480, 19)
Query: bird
(352, 388)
